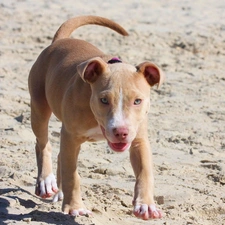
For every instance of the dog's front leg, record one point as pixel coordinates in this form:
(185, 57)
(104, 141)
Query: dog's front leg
(40, 113)
(46, 183)
(141, 160)
(69, 150)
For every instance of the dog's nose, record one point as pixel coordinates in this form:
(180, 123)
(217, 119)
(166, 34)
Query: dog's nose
(120, 133)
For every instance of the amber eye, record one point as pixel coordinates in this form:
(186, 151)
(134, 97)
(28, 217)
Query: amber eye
(104, 101)
(137, 101)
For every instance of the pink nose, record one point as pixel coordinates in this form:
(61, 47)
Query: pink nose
(120, 133)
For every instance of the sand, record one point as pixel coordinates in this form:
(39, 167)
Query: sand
(186, 124)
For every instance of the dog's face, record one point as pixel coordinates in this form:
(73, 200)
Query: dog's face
(120, 97)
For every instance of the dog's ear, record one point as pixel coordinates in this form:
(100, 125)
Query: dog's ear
(153, 74)
(91, 69)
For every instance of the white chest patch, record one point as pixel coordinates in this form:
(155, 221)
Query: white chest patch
(94, 134)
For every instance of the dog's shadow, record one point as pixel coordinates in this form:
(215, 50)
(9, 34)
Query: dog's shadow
(34, 214)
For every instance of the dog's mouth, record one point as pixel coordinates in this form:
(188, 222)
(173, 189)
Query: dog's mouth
(118, 146)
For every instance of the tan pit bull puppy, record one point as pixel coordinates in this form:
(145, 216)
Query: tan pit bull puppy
(96, 96)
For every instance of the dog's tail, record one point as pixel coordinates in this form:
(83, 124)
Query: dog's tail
(70, 25)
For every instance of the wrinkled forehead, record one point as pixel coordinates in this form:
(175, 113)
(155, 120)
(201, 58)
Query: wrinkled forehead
(125, 78)
(121, 74)
(121, 78)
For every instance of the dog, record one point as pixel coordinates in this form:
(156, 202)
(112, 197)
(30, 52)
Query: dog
(96, 96)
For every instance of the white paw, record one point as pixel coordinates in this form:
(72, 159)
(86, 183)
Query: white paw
(80, 212)
(47, 187)
(58, 196)
(146, 212)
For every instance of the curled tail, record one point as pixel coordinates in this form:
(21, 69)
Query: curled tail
(70, 25)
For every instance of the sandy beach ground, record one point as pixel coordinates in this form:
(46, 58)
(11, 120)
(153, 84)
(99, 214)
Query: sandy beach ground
(186, 124)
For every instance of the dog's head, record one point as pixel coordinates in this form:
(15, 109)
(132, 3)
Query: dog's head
(120, 97)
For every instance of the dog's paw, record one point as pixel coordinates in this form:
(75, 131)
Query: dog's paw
(78, 212)
(47, 187)
(146, 212)
(58, 196)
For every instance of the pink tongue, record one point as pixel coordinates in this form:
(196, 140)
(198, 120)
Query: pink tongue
(118, 146)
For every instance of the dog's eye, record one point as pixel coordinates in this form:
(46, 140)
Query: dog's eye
(104, 101)
(137, 101)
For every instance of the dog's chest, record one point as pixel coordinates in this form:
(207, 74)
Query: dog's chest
(94, 134)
